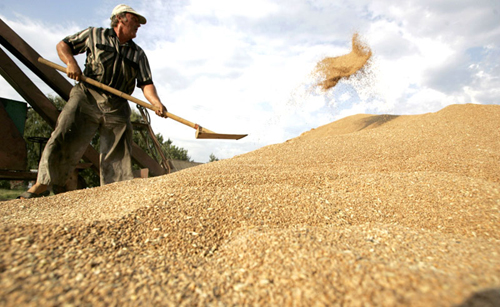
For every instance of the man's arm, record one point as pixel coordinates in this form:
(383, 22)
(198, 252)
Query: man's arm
(73, 70)
(151, 95)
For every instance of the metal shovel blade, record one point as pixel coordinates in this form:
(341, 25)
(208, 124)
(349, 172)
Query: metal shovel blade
(207, 135)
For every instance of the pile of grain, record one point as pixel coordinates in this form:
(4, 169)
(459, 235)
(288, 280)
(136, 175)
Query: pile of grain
(332, 69)
(368, 210)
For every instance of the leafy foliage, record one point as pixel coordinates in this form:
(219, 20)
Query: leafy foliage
(36, 126)
(213, 158)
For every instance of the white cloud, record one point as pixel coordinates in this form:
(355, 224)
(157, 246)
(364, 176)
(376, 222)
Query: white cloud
(229, 8)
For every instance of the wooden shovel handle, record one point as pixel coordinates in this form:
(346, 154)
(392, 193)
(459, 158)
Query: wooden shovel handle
(126, 96)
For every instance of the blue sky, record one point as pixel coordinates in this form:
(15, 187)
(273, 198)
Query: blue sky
(246, 66)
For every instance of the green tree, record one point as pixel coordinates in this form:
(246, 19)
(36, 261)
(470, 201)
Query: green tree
(213, 158)
(37, 127)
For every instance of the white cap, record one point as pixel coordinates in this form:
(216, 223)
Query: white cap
(122, 8)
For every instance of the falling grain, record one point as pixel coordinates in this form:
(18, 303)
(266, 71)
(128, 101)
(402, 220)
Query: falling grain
(332, 69)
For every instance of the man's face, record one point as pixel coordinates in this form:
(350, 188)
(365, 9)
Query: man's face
(130, 25)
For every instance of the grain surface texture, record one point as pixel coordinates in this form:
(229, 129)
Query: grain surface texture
(371, 210)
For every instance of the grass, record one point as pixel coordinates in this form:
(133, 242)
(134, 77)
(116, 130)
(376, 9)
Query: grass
(7, 194)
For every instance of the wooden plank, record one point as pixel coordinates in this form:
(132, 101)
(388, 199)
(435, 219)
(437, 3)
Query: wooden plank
(14, 175)
(145, 161)
(29, 57)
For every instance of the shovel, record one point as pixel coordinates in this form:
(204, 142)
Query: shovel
(201, 133)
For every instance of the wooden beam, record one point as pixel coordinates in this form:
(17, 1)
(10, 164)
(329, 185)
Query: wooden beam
(29, 57)
(16, 175)
(145, 161)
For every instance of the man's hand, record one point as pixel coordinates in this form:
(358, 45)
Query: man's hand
(161, 111)
(151, 95)
(73, 71)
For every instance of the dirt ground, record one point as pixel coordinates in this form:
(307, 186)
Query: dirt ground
(366, 211)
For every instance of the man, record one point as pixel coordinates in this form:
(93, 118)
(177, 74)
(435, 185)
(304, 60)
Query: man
(115, 60)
